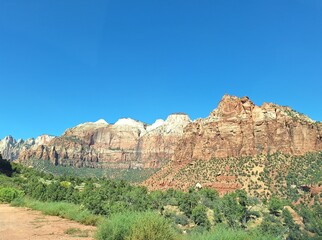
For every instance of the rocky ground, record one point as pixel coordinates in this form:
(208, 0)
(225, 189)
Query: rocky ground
(23, 223)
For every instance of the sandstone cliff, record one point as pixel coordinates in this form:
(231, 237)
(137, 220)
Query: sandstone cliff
(126, 144)
(238, 128)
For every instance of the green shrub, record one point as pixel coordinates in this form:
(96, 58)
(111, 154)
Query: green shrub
(199, 216)
(135, 226)
(8, 194)
(151, 225)
(181, 219)
(272, 226)
(222, 232)
(275, 205)
(117, 227)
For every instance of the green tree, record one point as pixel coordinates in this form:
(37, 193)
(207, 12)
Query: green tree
(232, 210)
(199, 216)
(275, 205)
(188, 202)
(272, 226)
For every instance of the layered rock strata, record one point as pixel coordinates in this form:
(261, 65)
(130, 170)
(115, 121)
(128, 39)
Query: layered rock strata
(126, 144)
(236, 128)
(239, 128)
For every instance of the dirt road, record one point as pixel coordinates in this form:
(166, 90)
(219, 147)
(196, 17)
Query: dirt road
(22, 223)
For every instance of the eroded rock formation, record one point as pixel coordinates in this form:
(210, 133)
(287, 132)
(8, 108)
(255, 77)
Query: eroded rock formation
(236, 128)
(126, 144)
(239, 128)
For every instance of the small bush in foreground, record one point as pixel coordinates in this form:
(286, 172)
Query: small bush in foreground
(223, 233)
(8, 194)
(117, 227)
(136, 225)
(151, 225)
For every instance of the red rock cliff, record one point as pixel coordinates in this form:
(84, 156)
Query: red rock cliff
(240, 128)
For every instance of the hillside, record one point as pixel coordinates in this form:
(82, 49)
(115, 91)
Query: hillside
(297, 178)
(238, 146)
(125, 211)
(244, 146)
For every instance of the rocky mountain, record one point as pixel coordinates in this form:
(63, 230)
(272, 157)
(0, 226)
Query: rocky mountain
(10, 147)
(126, 144)
(238, 128)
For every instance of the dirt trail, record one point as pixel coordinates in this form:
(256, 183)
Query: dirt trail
(22, 223)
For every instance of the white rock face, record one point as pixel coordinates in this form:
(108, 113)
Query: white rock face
(98, 122)
(174, 124)
(30, 141)
(101, 121)
(86, 126)
(156, 124)
(10, 148)
(127, 140)
(7, 142)
(128, 123)
(43, 139)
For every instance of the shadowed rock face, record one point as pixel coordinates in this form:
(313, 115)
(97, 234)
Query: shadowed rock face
(125, 144)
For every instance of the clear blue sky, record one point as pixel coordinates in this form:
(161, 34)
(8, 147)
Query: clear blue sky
(66, 62)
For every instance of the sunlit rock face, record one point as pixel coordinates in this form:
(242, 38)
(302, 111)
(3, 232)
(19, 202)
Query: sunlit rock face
(10, 148)
(240, 128)
(236, 128)
(126, 144)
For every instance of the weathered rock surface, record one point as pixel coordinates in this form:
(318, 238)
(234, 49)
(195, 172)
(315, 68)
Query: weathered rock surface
(240, 128)
(236, 128)
(126, 144)
(10, 147)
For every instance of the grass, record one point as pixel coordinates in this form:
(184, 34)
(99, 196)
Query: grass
(60, 209)
(136, 226)
(6, 181)
(76, 232)
(223, 233)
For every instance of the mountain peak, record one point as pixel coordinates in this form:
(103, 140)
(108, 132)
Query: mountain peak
(128, 122)
(101, 121)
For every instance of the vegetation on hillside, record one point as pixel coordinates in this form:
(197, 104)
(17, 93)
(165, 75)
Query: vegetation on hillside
(291, 177)
(129, 175)
(125, 211)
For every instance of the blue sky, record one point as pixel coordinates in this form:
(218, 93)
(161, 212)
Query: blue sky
(67, 62)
